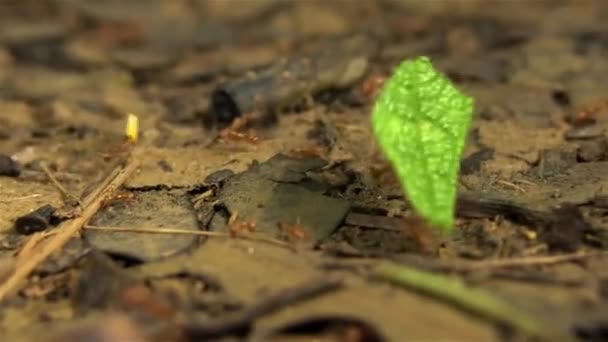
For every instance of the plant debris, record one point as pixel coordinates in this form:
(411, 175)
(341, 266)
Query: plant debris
(278, 192)
(290, 81)
(240, 322)
(171, 209)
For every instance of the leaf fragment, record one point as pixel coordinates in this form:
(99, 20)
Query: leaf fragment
(421, 120)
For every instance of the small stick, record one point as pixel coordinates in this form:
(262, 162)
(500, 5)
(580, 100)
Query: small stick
(7, 265)
(186, 232)
(460, 266)
(39, 176)
(28, 248)
(102, 187)
(511, 185)
(523, 181)
(64, 192)
(20, 198)
(526, 261)
(65, 232)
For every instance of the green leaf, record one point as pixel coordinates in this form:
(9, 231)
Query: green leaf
(421, 121)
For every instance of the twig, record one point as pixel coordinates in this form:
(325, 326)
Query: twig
(240, 322)
(526, 261)
(475, 300)
(511, 185)
(28, 248)
(469, 266)
(64, 192)
(102, 187)
(20, 198)
(524, 181)
(534, 278)
(65, 232)
(391, 224)
(38, 176)
(475, 205)
(7, 266)
(179, 231)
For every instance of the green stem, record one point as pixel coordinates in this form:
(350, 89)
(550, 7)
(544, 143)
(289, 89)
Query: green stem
(475, 300)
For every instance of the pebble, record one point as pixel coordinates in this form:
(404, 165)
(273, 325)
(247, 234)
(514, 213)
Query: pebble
(592, 151)
(36, 221)
(218, 176)
(9, 167)
(583, 132)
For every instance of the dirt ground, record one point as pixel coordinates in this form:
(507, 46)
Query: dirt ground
(260, 206)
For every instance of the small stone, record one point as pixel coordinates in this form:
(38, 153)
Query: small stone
(472, 163)
(9, 167)
(555, 161)
(165, 166)
(218, 176)
(583, 132)
(592, 151)
(36, 221)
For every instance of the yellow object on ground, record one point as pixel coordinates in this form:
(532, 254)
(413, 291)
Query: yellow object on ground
(132, 128)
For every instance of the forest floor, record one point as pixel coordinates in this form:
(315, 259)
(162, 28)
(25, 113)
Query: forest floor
(256, 205)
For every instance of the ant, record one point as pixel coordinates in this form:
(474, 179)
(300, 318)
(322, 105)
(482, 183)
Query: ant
(119, 151)
(231, 135)
(372, 84)
(120, 197)
(293, 232)
(306, 152)
(421, 233)
(233, 132)
(236, 228)
(587, 114)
